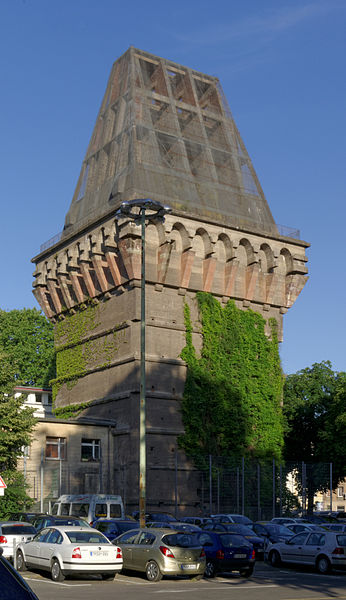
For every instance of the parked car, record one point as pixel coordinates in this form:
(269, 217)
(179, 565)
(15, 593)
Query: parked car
(23, 516)
(339, 527)
(177, 525)
(232, 518)
(48, 520)
(301, 527)
(70, 550)
(16, 588)
(319, 518)
(246, 532)
(323, 550)
(200, 521)
(13, 532)
(112, 528)
(155, 516)
(226, 552)
(271, 532)
(288, 520)
(158, 552)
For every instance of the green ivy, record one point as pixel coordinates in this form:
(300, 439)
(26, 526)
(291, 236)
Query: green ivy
(233, 391)
(80, 350)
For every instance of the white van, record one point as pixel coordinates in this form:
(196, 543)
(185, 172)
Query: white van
(90, 506)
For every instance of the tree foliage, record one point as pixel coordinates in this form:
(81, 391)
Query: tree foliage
(233, 391)
(315, 423)
(26, 338)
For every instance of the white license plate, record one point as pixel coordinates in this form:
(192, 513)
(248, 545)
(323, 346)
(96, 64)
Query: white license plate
(98, 553)
(240, 556)
(187, 567)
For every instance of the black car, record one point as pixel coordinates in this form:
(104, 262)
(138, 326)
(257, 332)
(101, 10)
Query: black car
(247, 532)
(226, 552)
(12, 585)
(28, 517)
(271, 532)
(48, 520)
(112, 528)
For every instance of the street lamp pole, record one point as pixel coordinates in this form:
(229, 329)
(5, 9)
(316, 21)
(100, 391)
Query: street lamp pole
(140, 211)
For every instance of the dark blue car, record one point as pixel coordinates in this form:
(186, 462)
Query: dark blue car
(249, 535)
(112, 528)
(226, 552)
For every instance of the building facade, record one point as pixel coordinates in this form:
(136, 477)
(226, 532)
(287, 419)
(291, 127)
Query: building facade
(165, 132)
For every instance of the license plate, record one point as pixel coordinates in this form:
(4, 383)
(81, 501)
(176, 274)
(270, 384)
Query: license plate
(98, 553)
(187, 567)
(240, 556)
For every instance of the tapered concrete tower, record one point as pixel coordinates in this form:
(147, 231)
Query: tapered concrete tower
(164, 132)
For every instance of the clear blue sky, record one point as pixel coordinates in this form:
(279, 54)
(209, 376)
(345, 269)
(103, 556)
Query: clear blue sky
(282, 66)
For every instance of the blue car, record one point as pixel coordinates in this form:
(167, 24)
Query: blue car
(112, 528)
(226, 552)
(246, 532)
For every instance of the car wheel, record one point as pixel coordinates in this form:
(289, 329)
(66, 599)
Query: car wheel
(152, 571)
(210, 570)
(323, 565)
(274, 558)
(246, 572)
(56, 572)
(108, 576)
(21, 566)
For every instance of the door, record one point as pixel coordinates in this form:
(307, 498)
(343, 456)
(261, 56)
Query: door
(292, 550)
(142, 549)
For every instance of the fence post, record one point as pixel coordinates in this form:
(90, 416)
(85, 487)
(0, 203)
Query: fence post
(274, 490)
(280, 488)
(331, 485)
(258, 491)
(210, 487)
(176, 484)
(218, 490)
(237, 489)
(242, 485)
(303, 488)
(41, 469)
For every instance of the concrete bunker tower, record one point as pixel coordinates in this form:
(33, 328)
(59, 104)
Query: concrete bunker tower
(165, 132)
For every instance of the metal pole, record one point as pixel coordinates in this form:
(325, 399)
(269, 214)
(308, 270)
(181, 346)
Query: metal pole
(242, 485)
(237, 489)
(210, 487)
(142, 408)
(331, 485)
(280, 483)
(218, 490)
(274, 493)
(258, 491)
(176, 484)
(60, 477)
(303, 489)
(41, 499)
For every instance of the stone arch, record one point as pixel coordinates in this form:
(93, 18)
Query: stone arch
(223, 248)
(180, 237)
(285, 262)
(266, 258)
(245, 253)
(207, 245)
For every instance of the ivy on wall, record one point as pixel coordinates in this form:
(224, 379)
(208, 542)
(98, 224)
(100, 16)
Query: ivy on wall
(80, 349)
(233, 391)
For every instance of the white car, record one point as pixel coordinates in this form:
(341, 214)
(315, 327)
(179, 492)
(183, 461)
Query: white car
(322, 549)
(70, 550)
(12, 533)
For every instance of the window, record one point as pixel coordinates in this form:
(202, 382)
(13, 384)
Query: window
(341, 491)
(90, 450)
(55, 448)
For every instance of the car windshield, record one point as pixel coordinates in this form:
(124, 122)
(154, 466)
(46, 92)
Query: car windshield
(17, 529)
(228, 540)
(181, 540)
(86, 537)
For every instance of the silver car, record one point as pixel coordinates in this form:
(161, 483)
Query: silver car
(159, 552)
(12, 533)
(323, 550)
(70, 550)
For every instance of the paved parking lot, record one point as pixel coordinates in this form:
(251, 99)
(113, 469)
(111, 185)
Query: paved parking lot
(266, 584)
